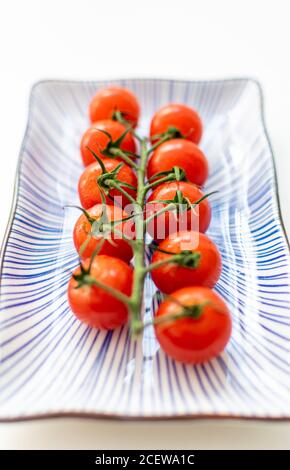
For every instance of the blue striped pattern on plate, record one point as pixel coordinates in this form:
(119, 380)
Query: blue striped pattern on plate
(52, 364)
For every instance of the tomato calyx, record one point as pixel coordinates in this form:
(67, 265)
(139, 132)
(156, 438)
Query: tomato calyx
(108, 179)
(184, 258)
(113, 147)
(83, 278)
(176, 174)
(177, 205)
(171, 133)
(103, 228)
(187, 311)
(100, 228)
(182, 203)
(122, 117)
(188, 259)
(179, 201)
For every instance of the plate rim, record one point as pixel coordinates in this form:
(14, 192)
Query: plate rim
(15, 196)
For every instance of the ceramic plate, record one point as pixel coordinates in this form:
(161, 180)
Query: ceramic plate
(51, 364)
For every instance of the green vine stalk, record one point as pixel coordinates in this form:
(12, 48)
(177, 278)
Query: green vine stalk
(110, 180)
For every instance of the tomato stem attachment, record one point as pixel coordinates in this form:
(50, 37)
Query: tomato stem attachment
(91, 281)
(119, 186)
(168, 208)
(113, 150)
(187, 311)
(108, 179)
(126, 158)
(171, 133)
(118, 116)
(178, 203)
(84, 278)
(176, 174)
(186, 259)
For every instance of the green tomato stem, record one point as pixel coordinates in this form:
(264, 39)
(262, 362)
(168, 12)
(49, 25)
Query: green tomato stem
(119, 153)
(159, 181)
(169, 207)
(119, 117)
(136, 299)
(194, 312)
(123, 236)
(170, 259)
(91, 281)
(114, 184)
(163, 139)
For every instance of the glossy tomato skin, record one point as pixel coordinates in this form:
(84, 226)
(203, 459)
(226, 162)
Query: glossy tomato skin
(117, 247)
(162, 226)
(98, 141)
(111, 99)
(183, 154)
(194, 340)
(94, 306)
(89, 191)
(171, 277)
(180, 116)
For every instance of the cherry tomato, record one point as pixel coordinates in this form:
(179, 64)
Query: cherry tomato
(181, 153)
(116, 246)
(98, 141)
(194, 340)
(92, 304)
(172, 276)
(197, 219)
(89, 190)
(109, 100)
(179, 116)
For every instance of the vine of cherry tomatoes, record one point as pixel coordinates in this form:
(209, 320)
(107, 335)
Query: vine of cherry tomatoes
(128, 190)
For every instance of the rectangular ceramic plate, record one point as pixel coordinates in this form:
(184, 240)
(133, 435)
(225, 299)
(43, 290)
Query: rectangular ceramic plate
(51, 364)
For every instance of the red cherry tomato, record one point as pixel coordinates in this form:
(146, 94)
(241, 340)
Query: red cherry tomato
(109, 100)
(92, 304)
(116, 246)
(172, 276)
(89, 190)
(194, 340)
(179, 116)
(183, 154)
(98, 141)
(197, 219)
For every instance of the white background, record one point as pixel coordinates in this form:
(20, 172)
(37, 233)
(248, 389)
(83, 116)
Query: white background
(92, 39)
